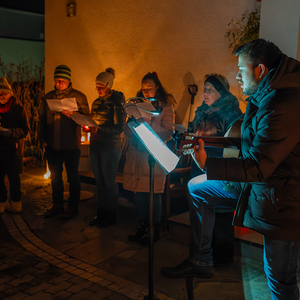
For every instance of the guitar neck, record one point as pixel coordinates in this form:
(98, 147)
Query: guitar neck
(210, 141)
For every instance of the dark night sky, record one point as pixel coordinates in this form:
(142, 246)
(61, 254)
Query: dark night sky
(37, 6)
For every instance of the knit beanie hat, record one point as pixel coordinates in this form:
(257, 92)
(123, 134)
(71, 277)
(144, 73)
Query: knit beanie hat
(5, 86)
(62, 71)
(218, 85)
(106, 78)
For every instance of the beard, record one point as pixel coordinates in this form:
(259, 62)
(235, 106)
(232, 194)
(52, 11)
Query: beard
(252, 87)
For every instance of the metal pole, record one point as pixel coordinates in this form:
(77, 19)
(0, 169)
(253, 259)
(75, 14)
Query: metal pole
(151, 162)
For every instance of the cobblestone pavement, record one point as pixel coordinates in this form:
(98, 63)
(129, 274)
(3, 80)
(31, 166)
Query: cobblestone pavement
(49, 258)
(32, 269)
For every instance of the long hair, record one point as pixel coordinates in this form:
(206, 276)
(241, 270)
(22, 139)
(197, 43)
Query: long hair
(161, 91)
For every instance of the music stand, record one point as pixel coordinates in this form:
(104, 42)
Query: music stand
(160, 153)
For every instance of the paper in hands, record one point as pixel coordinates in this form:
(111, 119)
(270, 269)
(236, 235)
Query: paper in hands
(83, 120)
(140, 109)
(3, 129)
(68, 104)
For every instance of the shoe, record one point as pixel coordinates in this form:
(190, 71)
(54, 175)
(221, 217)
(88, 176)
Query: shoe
(142, 230)
(98, 218)
(55, 210)
(95, 221)
(69, 213)
(14, 207)
(222, 262)
(109, 219)
(187, 269)
(145, 240)
(3, 205)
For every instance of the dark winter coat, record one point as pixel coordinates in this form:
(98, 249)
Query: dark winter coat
(108, 114)
(57, 130)
(270, 163)
(214, 120)
(11, 148)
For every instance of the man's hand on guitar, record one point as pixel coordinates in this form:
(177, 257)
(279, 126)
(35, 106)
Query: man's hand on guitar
(199, 155)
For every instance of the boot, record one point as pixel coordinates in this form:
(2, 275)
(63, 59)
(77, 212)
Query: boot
(14, 207)
(55, 210)
(145, 240)
(142, 230)
(3, 206)
(69, 213)
(109, 218)
(97, 219)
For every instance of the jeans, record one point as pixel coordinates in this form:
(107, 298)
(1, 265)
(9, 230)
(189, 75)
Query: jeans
(14, 186)
(206, 196)
(56, 159)
(105, 163)
(142, 201)
(280, 264)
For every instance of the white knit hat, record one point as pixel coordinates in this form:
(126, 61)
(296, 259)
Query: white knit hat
(106, 78)
(5, 86)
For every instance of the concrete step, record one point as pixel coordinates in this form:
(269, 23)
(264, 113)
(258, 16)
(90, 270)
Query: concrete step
(248, 243)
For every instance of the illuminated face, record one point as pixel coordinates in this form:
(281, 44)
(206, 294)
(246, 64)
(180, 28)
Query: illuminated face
(101, 89)
(211, 95)
(149, 88)
(4, 97)
(61, 83)
(247, 76)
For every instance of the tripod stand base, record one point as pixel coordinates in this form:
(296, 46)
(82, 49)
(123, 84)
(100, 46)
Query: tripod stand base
(152, 298)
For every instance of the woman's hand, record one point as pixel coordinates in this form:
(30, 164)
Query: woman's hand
(93, 130)
(67, 113)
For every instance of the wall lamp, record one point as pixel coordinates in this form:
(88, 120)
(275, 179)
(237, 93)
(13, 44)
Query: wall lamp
(71, 10)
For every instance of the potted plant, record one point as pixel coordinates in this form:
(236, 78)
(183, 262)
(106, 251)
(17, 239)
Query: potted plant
(244, 30)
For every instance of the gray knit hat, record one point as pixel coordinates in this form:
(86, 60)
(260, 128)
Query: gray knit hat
(106, 78)
(5, 86)
(62, 71)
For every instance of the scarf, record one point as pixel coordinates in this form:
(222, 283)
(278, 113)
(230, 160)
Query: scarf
(5, 107)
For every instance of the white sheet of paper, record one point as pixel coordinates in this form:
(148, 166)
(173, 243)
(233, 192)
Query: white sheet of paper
(69, 104)
(3, 129)
(83, 120)
(180, 128)
(132, 109)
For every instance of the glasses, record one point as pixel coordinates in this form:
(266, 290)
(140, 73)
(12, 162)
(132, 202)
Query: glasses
(208, 91)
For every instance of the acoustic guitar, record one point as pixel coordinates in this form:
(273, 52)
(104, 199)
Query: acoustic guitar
(231, 142)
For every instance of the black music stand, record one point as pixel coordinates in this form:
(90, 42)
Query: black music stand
(160, 153)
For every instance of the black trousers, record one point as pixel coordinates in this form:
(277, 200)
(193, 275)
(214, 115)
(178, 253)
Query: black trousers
(14, 185)
(56, 159)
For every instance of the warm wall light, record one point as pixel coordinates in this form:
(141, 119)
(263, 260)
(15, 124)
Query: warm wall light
(71, 10)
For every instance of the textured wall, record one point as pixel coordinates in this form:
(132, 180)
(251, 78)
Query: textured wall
(182, 40)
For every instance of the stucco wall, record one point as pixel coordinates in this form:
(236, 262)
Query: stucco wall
(180, 40)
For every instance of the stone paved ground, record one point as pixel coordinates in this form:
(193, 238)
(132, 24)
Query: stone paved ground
(53, 259)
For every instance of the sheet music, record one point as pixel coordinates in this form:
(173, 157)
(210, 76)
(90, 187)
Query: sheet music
(137, 110)
(180, 128)
(83, 120)
(69, 104)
